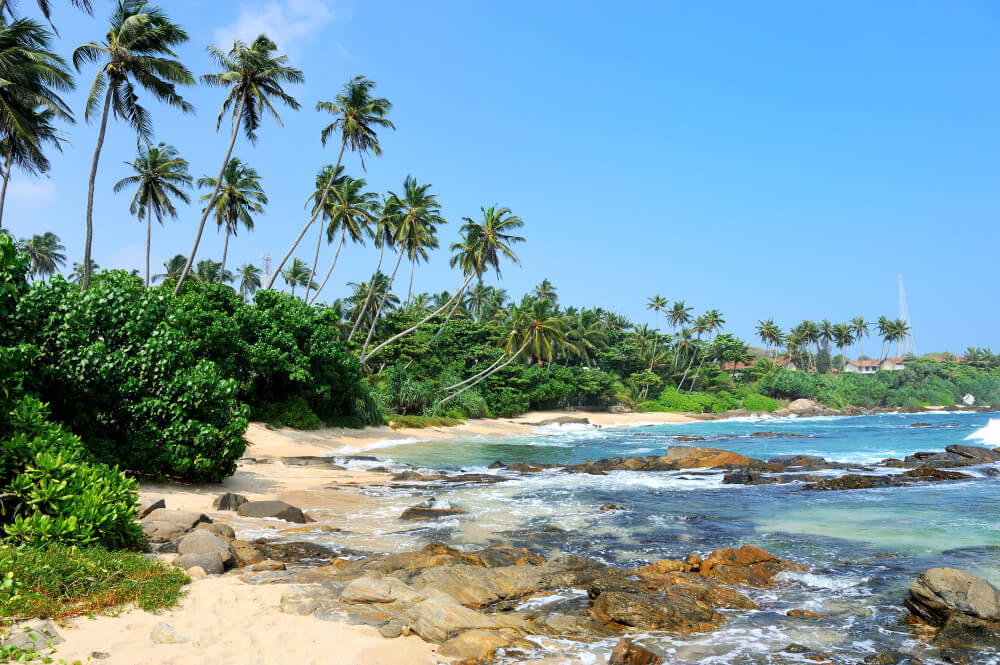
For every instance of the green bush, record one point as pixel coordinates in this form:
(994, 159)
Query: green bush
(421, 422)
(59, 581)
(293, 413)
(757, 402)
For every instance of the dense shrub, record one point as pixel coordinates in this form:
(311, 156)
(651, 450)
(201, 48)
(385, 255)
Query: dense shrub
(756, 402)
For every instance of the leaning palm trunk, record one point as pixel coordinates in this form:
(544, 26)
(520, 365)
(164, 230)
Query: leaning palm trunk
(319, 209)
(409, 290)
(215, 193)
(149, 235)
(365, 357)
(680, 386)
(3, 191)
(488, 375)
(371, 292)
(473, 377)
(381, 303)
(85, 281)
(329, 272)
(225, 251)
(451, 313)
(312, 273)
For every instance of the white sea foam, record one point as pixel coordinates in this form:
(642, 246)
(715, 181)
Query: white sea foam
(823, 581)
(988, 434)
(541, 601)
(378, 445)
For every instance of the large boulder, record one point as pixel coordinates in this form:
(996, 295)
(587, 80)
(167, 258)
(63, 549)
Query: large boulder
(186, 519)
(274, 509)
(210, 562)
(696, 457)
(804, 407)
(940, 593)
(229, 501)
(627, 652)
(246, 554)
(203, 541)
(977, 453)
(437, 620)
(380, 590)
(419, 513)
(747, 565)
(158, 531)
(146, 508)
(648, 612)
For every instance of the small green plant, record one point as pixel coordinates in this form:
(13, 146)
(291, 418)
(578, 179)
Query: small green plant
(421, 422)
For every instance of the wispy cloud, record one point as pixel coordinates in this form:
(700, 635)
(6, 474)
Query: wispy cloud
(289, 23)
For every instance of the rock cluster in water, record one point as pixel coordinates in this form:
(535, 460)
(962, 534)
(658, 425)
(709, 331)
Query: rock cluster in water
(963, 609)
(473, 603)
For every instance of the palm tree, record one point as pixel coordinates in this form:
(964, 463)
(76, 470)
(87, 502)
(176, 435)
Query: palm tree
(898, 331)
(211, 272)
(883, 328)
(78, 273)
(843, 336)
(254, 76)
(138, 38)
(159, 174)
(351, 210)
(297, 273)
(33, 77)
(376, 289)
(679, 315)
(236, 200)
(172, 268)
(483, 246)
(859, 329)
(384, 236)
(546, 291)
(249, 275)
(769, 334)
(413, 217)
(584, 335)
(45, 252)
(826, 332)
(477, 298)
(45, 6)
(356, 116)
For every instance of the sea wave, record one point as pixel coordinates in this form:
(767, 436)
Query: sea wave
(378, 445)
(988, 434)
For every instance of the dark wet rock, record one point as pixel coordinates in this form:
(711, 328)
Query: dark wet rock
(931, 473)
(591, 468)
(926, 473)
(892, 657)
(777, 435)
(144, 508)
(746, 477)
(921, 425)
(611, 506)
(229, 501)
(800, 461)
(423, 513)
(962, 631)
(684, 438)
(413, 475)
(274, 509)
(378, 469)
(939, 459)
(497, 465)
(627, 652)
(894, 463)
(292, 552)
(521, 467)
(649, 612)
(977, 453)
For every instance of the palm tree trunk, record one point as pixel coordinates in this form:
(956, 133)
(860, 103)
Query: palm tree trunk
(378, 310)
(8, 167)
(319, 209)
(371, 291)
(85, 280)
(149, 235)
(330, 271)
(225, 251)
(215, 193)
(319, 243)
(409, 290)
(486, 376)
(680, 386)
(414, 327)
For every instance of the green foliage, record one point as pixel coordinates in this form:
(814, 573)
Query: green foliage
(293, 413)
(755, 402)
(421, 422)
(60, 581)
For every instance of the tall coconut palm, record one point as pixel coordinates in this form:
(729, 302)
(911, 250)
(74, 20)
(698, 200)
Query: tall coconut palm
(883, 328)
(211, 272)
(376, 289)
(296, 274)
(249, 275)
(254, 75)
(483, 246)
(33, 76)
(859, 329)
(658, 304)
(78, 273)
(678, 316)
(384, 235)
(45, 252)
(351, 211)
(139, 37)
(356, 116)
(825, 332)
(235, 201)
(160, 173)
(769, 334)
(843, 336)
(546, 291)
(414, 217)
(477, 298)
(8, 7)
(172, 268)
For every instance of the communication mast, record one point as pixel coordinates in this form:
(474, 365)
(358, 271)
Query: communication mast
(909, 347)
(267, 267)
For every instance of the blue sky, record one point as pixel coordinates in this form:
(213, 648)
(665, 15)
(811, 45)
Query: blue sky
(769, 159)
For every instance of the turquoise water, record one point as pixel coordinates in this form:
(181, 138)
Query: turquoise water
(670, 514)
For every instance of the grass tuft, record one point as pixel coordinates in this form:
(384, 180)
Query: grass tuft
(421, 422)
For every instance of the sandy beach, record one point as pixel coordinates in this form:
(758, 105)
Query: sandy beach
(225, 620)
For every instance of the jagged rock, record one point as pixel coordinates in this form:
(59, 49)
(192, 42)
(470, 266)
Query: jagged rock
(162, 532)
(146, 508)
(380, 590)
(627, 652)
(267, 565)
(978, 453)
(210, 562)
(163, 633)
(437, 620)
(202, 541)
(611, 506)
(422, 513)
(246, 553)
(185, 519)
(497, 465)
(276, 509)
(223, 531)
(649, 612)
(747, 565)
(33, 634)
(474, 645)
(940, 593)
(229, 501)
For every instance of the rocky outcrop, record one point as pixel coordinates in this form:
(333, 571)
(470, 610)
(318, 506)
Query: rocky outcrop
(805, 407)
(229, 501)
(275, 509)
(416, 513)
(963, 607)
(644, 611)
(627, 652)
(856, 481)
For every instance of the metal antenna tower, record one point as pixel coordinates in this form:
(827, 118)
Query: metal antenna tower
(909, 347)
(267, 267)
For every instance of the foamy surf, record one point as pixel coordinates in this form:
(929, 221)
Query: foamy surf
(378, 445)
(988, 434)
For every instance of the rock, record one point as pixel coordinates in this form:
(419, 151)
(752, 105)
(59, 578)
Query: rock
(562, 420)
(694, 457)
(627, 652)
(521, 467)
(421, 513)
(223, 531)
(777, 435)
(185, 519)
(408, 475)
(100, 655)
(979, 454)
(267, 565)
(312, 528)
(197, 573)
(747, 477)
(747, 565)
(33, 634)
(293, 552)
(891, 658)
(474, 645)
(684, 438)
(163, 633)
(394, 629)
(804, 407)
(162, 532)
(649, 612)
(438, 620)
(931, 473)
(210, 562)
(660, 568)
(276, 509)
(246, 554)
(807, 614)
(611, 506)
(808, 462)
(146, 508)
(380, 590)
(497, 465)
(202, 541)
(941, 593)
(229, 501)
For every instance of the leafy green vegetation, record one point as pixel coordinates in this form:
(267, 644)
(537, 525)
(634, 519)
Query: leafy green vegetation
(422, 422)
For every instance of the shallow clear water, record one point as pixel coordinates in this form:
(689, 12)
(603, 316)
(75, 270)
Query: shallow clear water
(670, 514)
